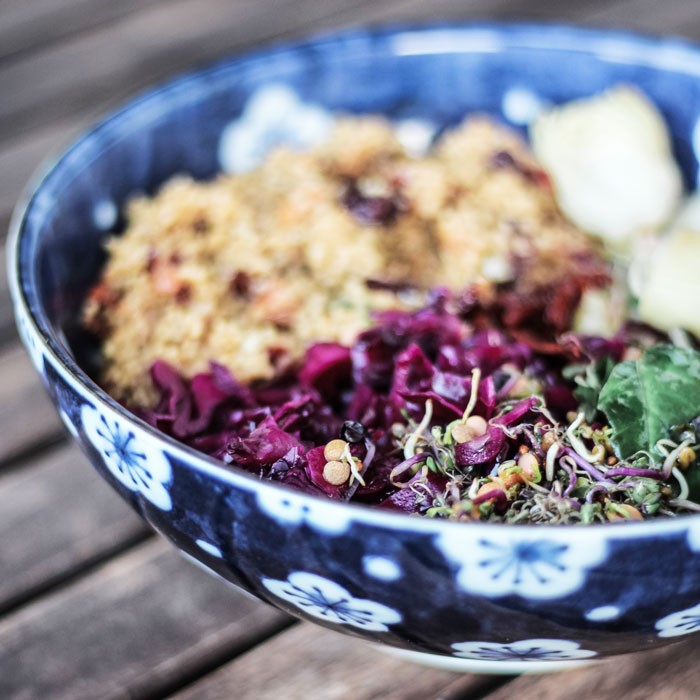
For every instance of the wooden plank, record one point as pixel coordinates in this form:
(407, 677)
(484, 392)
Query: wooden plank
(308, 661)
(101, 68)
(670, 673)
(58, 517)
(27, 416)
(28, 25)
(681, 17)
(138, 627)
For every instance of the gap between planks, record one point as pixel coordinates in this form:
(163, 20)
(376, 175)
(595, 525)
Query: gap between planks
(59, 521)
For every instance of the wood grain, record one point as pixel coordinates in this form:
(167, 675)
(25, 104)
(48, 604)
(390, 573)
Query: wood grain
(28, 25)
(147, 622)
(336, 666)
(58, 517)
(456, 10)
(681, 18)
(102, 68)
(670, 673)
(28, 419)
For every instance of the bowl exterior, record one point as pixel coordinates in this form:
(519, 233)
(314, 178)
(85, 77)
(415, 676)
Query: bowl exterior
(517, 597)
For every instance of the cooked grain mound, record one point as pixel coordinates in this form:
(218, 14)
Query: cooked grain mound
(249, 270)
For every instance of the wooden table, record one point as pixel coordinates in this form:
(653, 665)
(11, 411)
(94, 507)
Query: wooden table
(92, 604)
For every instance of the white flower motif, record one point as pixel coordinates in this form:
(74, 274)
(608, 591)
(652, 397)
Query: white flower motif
(537, 567)
(678, 623)
(524, 650)
(273, 116)
(319, 597)
(130, 455)
(294, 509)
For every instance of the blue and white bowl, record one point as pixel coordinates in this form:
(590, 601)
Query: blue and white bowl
(470, 596)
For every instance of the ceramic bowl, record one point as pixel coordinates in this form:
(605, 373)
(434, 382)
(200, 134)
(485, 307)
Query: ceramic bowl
(481, 597)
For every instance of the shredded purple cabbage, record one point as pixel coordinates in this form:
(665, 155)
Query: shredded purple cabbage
(278, 429)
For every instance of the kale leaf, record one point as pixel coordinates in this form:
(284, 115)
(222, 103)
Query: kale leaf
(642, 399)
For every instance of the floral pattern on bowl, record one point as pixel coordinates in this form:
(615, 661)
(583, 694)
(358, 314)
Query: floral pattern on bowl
(322, 598)
(132, 457)
(543, 566)
(292, 508)
(524, 650)
(680, 623)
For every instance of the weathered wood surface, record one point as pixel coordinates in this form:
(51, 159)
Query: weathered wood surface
(338, 667)
(57, 519)
(141, 625)
(91, 604)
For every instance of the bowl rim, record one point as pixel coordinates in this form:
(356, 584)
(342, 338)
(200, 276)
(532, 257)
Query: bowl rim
(670, 53)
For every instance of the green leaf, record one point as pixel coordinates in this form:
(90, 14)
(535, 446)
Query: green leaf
(589, 379)
(643, 399)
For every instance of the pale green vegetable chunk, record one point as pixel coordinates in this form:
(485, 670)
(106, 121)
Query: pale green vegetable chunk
(611, 162)
(669, 296)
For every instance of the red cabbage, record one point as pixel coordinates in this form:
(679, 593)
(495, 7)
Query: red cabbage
(278, 429)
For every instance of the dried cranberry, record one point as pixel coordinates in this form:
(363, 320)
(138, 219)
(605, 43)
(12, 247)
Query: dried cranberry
(371, 211)
(388, 285)
(240, 284)
(183, 294)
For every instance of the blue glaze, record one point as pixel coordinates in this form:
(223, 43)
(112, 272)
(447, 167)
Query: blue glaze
(467, 591)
